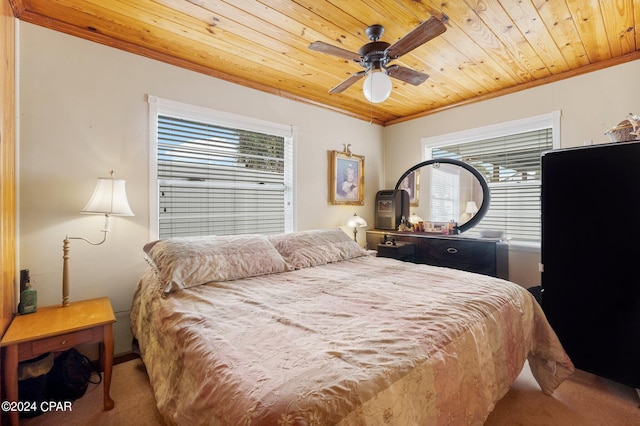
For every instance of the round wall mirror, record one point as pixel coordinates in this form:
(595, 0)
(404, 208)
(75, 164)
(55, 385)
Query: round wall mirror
(445, 190)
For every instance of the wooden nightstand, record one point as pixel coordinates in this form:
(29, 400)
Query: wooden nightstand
(57, 328)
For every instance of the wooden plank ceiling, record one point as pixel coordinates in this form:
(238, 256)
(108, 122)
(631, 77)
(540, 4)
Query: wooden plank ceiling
(490, 47)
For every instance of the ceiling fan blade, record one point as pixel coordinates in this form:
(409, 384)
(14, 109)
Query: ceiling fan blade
(323, 47)
(348, 82)
(407, 75)
(424, 32)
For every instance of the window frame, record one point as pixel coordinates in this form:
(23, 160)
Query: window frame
(543, 121)
(159, 106)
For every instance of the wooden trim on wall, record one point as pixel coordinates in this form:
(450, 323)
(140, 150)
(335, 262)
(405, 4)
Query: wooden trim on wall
(7, 165)
(7, 176)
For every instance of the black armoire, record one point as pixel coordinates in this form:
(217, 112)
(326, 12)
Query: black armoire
(590, 256)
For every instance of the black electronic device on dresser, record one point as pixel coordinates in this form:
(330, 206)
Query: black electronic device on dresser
(590, 278)
(391, 207)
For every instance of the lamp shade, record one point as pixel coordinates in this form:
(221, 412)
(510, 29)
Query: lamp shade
(356, 221)
(414, 219)
(472, 207)
(109, 198)
(377, 87)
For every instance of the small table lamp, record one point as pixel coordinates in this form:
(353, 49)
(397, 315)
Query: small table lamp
(472, 208)
(414, 219)
(356, 222)
(109, 198)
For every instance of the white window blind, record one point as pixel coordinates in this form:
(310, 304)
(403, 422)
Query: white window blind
(444, 195)
(215, 179)
(511, 166)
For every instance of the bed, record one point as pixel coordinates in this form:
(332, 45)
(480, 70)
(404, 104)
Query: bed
(307, 328)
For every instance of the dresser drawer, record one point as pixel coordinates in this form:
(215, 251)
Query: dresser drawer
(56, 343)
(400, 251)
(472, 256)
(460, 251)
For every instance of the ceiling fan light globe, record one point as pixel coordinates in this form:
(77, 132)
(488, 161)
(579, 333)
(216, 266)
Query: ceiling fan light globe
(377, 87)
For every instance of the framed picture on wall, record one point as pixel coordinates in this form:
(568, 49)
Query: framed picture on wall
(346, 177)
(411, 184)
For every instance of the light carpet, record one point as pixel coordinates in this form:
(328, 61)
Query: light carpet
(582, 400)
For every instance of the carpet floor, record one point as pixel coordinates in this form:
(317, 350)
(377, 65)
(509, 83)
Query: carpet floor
(582, 400)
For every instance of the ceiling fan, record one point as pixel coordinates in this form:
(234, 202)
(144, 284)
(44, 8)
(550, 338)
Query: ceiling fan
(376, 55)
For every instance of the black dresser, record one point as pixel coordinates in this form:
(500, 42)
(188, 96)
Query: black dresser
(590, 278)
(483, 256)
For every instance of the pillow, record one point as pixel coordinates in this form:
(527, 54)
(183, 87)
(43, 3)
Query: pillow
(317, 247)
(184, 262)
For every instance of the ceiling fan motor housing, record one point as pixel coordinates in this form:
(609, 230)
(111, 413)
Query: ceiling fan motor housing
(373, 55)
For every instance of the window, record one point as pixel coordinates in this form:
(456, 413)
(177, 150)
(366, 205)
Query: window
(509, 157)
(216, 173)
(444, 195)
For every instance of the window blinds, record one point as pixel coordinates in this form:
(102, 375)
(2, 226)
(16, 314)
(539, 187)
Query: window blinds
(444, 195)
(216, 180)
(511, 166)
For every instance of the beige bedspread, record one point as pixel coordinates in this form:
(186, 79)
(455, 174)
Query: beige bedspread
(367, 341)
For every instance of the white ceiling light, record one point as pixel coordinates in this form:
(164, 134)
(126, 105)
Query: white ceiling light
(377, 87)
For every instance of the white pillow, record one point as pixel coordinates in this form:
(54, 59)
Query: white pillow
(317, 247)
(184, 262)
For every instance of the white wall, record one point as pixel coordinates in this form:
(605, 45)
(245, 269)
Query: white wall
(590, 104)
(83, 112)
